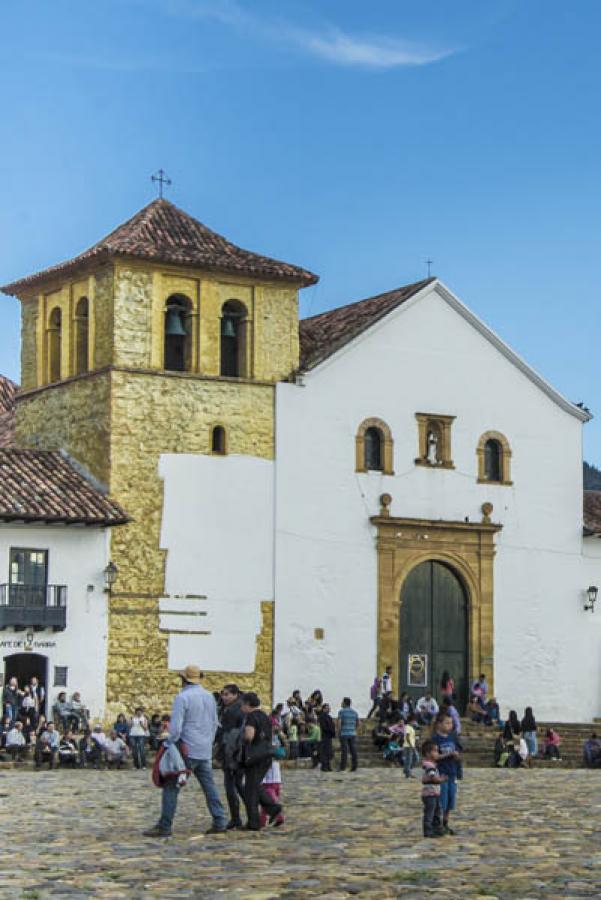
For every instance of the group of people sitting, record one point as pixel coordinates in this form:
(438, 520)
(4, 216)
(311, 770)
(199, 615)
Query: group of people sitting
(305, 728)
(67, 739)
(517, 744)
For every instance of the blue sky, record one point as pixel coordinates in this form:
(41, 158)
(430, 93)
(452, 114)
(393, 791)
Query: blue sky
(356, 139)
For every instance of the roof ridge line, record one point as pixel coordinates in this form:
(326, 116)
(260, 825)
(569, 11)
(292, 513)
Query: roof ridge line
(402, 287)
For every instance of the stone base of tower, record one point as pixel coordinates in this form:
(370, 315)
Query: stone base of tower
(138, 674)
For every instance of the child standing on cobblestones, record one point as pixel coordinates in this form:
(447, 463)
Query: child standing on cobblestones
(448, 763)
(431, 781)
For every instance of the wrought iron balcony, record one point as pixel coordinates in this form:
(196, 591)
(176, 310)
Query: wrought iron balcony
(28, 606)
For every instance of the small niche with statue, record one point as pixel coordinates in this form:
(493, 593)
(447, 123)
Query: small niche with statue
(434, 440)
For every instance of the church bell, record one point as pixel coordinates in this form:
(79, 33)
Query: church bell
(174, 324)
(228, 329)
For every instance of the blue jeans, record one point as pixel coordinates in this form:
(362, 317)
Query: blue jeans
(410, 759)
(138, 751)
(448, 792)
(531, 742)
(203, 769)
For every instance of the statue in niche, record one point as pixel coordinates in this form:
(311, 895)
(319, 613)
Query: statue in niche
(432, 444)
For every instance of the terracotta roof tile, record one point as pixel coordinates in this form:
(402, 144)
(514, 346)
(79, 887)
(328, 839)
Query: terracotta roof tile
(163, 233)
(8, 392)
(592, 512)
(322, 335)
(42, 486)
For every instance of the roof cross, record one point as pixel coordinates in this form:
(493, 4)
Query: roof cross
(161, 178)
(428, 263)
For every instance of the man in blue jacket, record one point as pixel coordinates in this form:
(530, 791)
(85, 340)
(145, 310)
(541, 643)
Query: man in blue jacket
(194, 723)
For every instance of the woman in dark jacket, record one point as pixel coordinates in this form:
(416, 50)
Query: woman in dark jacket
(529, 731)
(515, 722)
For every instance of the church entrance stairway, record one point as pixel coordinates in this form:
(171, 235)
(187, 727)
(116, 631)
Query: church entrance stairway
(478, 743)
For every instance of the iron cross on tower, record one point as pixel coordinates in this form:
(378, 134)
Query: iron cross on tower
(161, 178)
(428, 263)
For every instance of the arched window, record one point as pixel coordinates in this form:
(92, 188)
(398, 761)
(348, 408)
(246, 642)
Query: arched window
(178, 343)
(494, 458)
(55, 335)
(374, 447)
(233, 339)
(218, 441)
(81, 335)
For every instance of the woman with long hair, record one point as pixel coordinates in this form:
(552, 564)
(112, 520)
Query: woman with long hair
(515, 722)
(447, 687)
(529, 731)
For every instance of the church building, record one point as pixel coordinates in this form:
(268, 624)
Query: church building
(300, 504)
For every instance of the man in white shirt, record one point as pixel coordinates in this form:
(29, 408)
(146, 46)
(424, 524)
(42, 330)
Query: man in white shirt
(115, 749)
(426, 709)
(387, 681)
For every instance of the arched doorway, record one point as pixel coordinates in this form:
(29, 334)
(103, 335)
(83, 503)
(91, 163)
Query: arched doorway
(23, 666)
(433, 631)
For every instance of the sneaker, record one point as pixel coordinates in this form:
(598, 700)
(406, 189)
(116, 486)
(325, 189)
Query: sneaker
(216, 829)
(447, 830)
(155, 831)
(232, 825)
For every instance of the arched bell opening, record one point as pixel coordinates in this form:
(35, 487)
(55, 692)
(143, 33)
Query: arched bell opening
(178, 334)
(233, 339)
(82, 330)
(55, 337)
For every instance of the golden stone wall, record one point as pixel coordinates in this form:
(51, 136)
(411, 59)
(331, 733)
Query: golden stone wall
(72, 416)
(103, 317)
(151, 415)
(29, 349)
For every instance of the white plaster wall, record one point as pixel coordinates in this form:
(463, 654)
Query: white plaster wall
(425, 357)
(77, 557)
(217, 529)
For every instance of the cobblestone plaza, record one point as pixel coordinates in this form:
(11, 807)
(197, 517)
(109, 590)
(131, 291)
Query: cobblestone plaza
(520, 834)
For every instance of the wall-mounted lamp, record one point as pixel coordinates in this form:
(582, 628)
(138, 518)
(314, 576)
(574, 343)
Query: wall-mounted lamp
(591, 594)
(110, 576)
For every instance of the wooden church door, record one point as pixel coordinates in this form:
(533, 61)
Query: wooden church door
(433, 632)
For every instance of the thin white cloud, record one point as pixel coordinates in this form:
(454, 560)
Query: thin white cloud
(373, 52)
(328, 43)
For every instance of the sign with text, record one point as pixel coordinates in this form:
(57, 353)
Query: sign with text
(20, 645)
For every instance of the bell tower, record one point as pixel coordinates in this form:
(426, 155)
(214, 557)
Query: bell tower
(162, 338)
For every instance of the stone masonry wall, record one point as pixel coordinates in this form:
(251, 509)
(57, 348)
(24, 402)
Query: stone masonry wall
(29, 326)
(151, 415)
(103, 317)
(133, 317)
(74, 416)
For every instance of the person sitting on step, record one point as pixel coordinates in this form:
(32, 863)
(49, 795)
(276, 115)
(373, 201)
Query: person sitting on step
(426, 709)
(551, 745)
(46, 746)
(15, 742)
(591, 751)
(115, 750)
(61, 711)
(68, 754)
